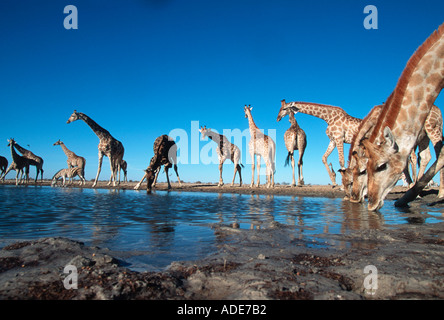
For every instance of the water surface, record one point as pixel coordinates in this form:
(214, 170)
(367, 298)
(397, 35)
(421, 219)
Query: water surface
(165, 226)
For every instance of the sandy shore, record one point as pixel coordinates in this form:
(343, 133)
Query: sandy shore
(270, 263)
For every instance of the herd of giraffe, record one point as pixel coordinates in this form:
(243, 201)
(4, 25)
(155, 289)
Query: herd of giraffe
(382, 144)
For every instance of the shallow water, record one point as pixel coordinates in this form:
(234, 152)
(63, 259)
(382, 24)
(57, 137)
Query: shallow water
(154, 230)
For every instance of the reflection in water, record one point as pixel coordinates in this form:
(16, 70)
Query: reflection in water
(168, 226)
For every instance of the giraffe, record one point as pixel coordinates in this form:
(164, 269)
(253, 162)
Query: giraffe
(73, 159)
(225, 150)
(19, 163)
(123, 167)
(341, 127)
(33, 160)
(402, 120)
(295, 139)
(3, 165)
(67, 173)
(260, 145)
(108, 146)
(165, 154)
(355, 176)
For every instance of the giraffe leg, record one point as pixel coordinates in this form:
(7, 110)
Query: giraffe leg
(425, 157)
(221, 181)
(155, 178)
(82, 178)
(252, 170)
(340, 147)
(98, 169)
(16, 177)
(141, 181)
(6, 172)
(113, 171)
(413, 161)
(441, 184)
(414, 191)
(168, 178)
(177, 174)
(27, 174)
(330, 148)
(118, 170)
(300, 174)
(293, 183)
(258, 162)
(268, 173)
(236, 165)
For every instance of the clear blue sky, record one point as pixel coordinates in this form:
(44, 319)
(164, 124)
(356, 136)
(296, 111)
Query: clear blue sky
(142, 68)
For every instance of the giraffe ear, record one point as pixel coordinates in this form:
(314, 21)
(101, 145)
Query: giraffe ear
(390, 139)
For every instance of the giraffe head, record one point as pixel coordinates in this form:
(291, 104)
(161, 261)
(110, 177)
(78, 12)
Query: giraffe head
(58, 143)
(150, 176)
(359, 177)
(384, 167)
(347, 181)
(247, 110)
(75, 116)
(11, 141)
(204, 131)
(286, 109)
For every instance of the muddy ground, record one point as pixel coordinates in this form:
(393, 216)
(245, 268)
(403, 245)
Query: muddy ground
(269, 263)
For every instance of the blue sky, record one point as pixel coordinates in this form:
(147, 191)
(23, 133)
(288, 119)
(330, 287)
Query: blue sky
(142, 68)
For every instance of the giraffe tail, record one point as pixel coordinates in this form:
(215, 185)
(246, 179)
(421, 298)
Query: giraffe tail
(289, 156)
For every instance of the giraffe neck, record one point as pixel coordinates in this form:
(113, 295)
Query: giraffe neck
(293, 121)
(216, 137)
(252, 126)
(322, 111)
(14, 155)
(422, 80)
(67, 152)
(100, 132)
(21, 149)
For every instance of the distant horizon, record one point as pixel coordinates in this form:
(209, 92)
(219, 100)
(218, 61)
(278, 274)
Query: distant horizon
(141, 69)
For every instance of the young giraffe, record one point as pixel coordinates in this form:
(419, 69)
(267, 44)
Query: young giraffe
(123, 167)
(165, 154)
(260, 145)
(73, 159)
(341, 127)
(402, 120)
(108, 146)
(33, 160)
(19, 163)
(295, 139)
(225, 150)
(3, 165)
(67, 173)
